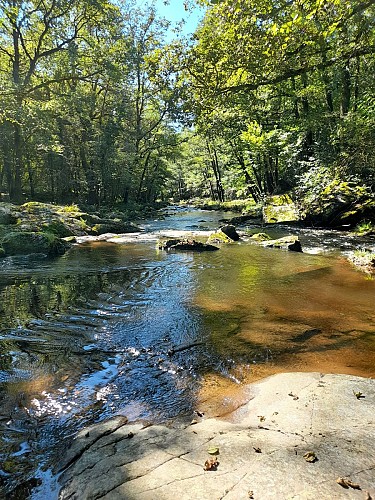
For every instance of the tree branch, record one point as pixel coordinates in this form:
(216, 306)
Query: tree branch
(297, 72)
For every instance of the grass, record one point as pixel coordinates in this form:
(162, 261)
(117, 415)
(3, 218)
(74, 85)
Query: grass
(364, 228)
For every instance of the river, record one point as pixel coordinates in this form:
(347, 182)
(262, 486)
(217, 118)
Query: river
(128, 329)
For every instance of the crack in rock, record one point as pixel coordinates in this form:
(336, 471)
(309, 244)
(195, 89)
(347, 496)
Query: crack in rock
(84, 448)
(232, 488)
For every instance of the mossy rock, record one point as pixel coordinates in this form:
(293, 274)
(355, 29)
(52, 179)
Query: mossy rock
(24, 243)
(4, 230)
(116, 228)
(36, 207)
(58, 228)
(280, 209)
(7, 216)
(91, 219)
(219, 238)
(260, 237)
(230, 231)
(290, 243)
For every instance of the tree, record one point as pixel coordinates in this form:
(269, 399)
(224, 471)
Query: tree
(295, 76)
(34, 37)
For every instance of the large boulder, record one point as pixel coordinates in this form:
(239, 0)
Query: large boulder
(23, 243)
(297, 436)
(280, 208)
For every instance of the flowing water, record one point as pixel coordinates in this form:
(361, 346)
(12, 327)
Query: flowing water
(127, 329)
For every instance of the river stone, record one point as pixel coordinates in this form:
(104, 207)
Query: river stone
(260, 448)
(295, 247)
(191, 245)
(260, 237)
(290, 243)
(166, 244)
(23, 243)
(230, 231)
(115, 227)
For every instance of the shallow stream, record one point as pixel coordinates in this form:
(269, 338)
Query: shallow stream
(128, 329)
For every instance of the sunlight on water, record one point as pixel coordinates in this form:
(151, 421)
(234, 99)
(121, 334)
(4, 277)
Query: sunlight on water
(127, 329)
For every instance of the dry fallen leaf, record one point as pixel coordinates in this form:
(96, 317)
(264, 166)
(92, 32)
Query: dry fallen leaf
(310, 457)
(347, 483)
(211, 464)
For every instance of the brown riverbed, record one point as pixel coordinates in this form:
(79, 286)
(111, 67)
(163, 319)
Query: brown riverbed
(98, 332)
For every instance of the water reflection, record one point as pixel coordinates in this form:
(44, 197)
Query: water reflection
(127, 329)
(278, 311)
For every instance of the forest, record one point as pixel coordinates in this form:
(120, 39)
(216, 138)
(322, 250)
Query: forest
(125, 303)
(99, 106)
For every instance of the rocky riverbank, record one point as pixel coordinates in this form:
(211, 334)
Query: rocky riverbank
(49, 229)
(300, 436)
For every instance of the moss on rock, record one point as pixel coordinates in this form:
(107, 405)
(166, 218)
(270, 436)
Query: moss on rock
(260, 237)
(116, 227)
(290, 243)
(280, 209)
(58, 228)
(219, 238)
(23, 243)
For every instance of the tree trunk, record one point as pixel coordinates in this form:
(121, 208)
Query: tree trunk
(346, 90)
(91, 180)
(16, 192)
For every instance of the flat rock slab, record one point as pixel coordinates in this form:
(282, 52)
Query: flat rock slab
(260, 450)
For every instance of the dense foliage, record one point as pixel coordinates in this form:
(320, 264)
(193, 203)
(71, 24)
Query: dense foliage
(284, 88)
(267, 96)
(85, 114)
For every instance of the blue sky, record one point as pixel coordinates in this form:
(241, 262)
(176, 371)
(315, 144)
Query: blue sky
(174, 11)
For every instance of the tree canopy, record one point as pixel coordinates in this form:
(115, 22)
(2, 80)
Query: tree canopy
(267, 96)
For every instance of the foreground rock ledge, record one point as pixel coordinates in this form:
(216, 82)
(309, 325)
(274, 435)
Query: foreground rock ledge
(261, 450)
